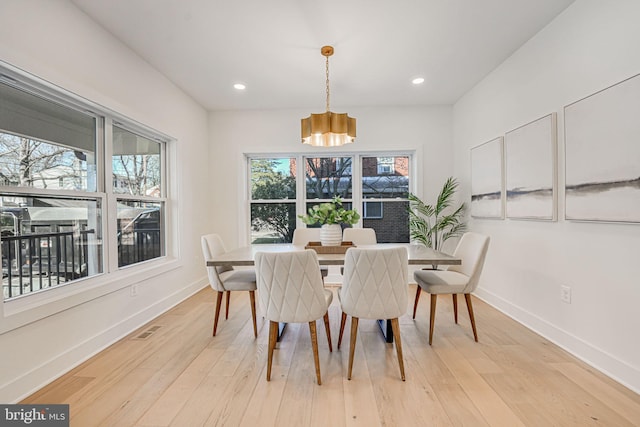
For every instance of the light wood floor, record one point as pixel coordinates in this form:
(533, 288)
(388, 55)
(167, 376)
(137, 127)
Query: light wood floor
(180, 376)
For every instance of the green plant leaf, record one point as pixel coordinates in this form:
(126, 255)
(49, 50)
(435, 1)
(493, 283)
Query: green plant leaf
(433, 225)
(418, 205)
(330, 213)
(444, 198)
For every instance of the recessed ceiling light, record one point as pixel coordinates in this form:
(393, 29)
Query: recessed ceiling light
(239, 86)
(417, 80)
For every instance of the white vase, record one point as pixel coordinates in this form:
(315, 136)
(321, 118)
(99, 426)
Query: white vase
(331, 235)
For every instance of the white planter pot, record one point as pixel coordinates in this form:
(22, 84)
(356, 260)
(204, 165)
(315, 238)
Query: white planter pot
(331, 235)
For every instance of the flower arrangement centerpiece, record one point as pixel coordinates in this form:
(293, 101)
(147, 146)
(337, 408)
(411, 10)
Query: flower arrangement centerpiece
(330, 216)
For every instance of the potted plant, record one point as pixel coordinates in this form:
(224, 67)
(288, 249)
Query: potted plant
(330, 216)
(429, 224)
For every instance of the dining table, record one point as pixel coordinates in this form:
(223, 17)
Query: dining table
(418, 255)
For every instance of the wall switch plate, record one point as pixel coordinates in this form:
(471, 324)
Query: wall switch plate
(565, 294)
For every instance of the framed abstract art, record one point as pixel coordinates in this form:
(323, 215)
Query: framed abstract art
(487, 180)
(602, 155)
(530, 170)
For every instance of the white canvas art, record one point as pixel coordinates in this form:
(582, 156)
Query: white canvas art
(530, 163)
(602, 155)
(486, 180)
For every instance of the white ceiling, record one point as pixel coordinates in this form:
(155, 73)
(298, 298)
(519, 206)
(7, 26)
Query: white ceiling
(273, 46)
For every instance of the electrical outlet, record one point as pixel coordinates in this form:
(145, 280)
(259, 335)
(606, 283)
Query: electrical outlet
(565, 294)
(134, 290)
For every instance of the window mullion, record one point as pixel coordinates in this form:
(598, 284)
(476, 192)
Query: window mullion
(110, 223)
(163, 171)
(356, 188)
(301, 200)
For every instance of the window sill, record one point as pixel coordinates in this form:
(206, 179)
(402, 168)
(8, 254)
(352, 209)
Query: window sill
(31, 308)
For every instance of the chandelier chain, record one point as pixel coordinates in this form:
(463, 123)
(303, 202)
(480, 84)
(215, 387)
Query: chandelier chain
(327, 73)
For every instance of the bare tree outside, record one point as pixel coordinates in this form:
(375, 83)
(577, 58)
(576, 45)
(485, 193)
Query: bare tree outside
(328, 177)
(136, 164)
(136, 174)
(27, 162)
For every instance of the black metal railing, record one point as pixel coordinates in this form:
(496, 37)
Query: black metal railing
(139, 245)
(31, 262)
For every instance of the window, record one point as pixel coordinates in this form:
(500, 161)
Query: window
(385, 165)
(54, 193)
(272, 199)
(274, 203)
(49, 241)
(328, 177)
(140, 231)
(389, 187)
(42, 142)
(136, 166)
(372, 210)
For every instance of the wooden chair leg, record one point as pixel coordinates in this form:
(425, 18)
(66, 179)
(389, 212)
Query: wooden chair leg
(343, 320)
(415, 304)
(352, 347)
(467, 297)
(215, 319)
(395, 325)
(328, 330)
(432, 316)
(273, 337)
(455, 307)
(252, 297)
(314, 345)
(226, 314)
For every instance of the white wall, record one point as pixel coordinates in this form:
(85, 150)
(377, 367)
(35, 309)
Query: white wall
(427, 130)
(56, 42)
(590, 46)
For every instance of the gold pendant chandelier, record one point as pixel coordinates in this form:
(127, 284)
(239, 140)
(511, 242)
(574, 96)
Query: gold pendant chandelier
(328, 129)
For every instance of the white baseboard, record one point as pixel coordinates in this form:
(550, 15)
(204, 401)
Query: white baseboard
(62, 363)
(616, 369)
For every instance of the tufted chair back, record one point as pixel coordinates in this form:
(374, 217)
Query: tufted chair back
(212, 245)
(225, 279)
(290, 286)
(375, 283)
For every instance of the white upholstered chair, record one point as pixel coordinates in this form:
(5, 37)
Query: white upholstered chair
(456, 279)
(291, 291)
(360, 236)
(302, 237)
(226, 279)
(374, 287)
